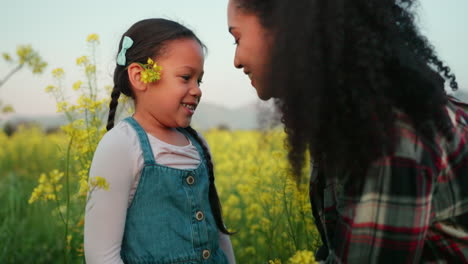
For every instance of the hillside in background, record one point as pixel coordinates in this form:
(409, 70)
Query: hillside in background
(206, 117)
(462, 95)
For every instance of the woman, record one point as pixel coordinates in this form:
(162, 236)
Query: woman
(362, 90)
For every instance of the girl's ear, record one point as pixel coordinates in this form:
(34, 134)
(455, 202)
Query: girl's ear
(134, 76)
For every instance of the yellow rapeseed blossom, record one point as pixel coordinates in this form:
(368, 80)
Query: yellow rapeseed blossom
(275, 261)
(99, 183)
(84, 187)
(77, 85)
(92, 38)
(85, 103)
(6, 56)
(303, 257)
(24, 53)
(62, 107)
(69, 239)
(250, 250)
(48, 187)
(50, 88)
(55, 176)
(151, 72)
(37, 64)
(8, 109)
(83, 60)
(58, 73)
(90, 69)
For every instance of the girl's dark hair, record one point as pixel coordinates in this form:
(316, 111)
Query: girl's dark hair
(150, 37)
(342, 67)
(213, 194)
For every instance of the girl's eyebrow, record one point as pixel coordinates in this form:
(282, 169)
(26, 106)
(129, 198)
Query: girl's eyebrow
(188, 67)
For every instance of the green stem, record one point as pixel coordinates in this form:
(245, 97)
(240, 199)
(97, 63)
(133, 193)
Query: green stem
(60, 97)
(94, 93)
(288, 215)
(16, 69)
(67, 182)
(62, 218)
(58, 204)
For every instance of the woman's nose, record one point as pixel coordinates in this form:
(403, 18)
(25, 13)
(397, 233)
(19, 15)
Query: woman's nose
(237, 62)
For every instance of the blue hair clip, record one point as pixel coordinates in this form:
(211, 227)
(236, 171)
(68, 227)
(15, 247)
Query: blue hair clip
(126, 44)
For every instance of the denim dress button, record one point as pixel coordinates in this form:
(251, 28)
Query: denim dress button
(199, 215)
(190, 180)
(206, 254)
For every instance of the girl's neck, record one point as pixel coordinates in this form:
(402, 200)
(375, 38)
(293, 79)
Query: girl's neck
(153, 127)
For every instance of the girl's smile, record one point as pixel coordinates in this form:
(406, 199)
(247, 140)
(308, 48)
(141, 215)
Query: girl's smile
(190, 107)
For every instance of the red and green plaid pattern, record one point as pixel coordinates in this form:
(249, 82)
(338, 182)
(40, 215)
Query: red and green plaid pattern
(412, 208)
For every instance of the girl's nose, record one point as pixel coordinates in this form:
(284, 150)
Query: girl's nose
(196, 91)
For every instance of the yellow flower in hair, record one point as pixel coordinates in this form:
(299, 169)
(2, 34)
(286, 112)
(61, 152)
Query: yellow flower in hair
(151, 72)
(157, 68)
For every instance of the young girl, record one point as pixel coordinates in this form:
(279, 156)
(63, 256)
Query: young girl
(162, 205)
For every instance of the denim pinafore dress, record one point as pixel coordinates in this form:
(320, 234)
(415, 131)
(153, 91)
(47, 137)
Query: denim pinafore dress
(170, 218)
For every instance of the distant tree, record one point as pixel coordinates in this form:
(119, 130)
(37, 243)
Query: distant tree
(53, 130)
(12, 127)
(461, 95)
(223, 127)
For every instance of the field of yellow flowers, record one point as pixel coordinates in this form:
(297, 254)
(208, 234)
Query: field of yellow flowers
(270, 214)
(44, 185)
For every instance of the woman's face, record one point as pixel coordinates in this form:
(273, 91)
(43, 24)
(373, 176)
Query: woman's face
(253, 44)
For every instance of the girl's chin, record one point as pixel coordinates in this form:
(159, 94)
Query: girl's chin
(185, 123)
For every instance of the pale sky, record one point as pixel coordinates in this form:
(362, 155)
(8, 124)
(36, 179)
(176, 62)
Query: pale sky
(58, 30)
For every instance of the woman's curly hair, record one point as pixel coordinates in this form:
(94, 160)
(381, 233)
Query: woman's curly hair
(341, 68)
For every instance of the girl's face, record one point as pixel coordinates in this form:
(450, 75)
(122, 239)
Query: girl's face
(253, 44)
(172, 100)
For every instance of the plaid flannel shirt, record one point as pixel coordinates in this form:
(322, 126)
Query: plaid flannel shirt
(412, 208)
